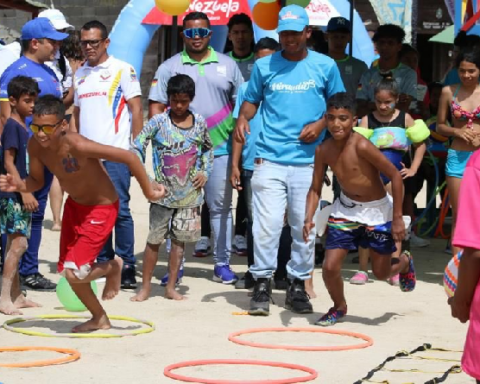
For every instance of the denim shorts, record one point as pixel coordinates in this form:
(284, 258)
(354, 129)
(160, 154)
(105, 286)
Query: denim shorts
(14, 218)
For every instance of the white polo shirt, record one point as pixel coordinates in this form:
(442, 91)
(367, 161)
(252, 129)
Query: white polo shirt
(102, 93)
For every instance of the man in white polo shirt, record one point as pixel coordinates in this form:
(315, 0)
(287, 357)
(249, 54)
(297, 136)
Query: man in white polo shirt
(107, 92)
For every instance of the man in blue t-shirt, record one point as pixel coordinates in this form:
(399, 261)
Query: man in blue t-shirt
(293, 86)
(40, 42)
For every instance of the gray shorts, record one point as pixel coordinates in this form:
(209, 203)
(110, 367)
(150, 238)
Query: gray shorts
(181, 224)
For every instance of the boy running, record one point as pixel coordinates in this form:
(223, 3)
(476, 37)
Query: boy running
(90, 210)
(363, 215)
(182, 161)
(16, 208)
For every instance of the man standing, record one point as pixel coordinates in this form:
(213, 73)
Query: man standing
(217, 79)
(107, 92)
(339, 33)
(293, 86)
(40, 43)
(240, 33)
(388, 40)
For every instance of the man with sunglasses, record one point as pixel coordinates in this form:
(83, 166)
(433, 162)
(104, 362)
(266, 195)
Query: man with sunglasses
(40, 42)
(107, 93)
(293, 86)
(217, 79)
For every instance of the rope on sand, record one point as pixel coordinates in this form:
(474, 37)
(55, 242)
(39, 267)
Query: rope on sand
(196, 363)
(234, 337)
(72, 355)
(93, 335)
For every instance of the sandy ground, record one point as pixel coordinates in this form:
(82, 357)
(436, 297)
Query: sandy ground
(198, 327)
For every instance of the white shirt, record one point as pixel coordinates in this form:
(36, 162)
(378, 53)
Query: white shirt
(102, 93)
(66, 81)
(7, 57)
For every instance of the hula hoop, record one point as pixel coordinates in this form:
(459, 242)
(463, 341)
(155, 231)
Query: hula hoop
(195, 363)
(72, 355)
(233, 337)
(8, 327)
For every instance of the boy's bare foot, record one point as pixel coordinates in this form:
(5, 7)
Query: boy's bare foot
(93, 325)
(311, 292)
(112, 286)
(8, 308)
(22, 302)
(56, 227)
(143, 295)
(172, 294)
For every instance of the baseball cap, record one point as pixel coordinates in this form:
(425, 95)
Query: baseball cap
(336, 24)
(292, 18)
(41, 28)
(57, 18)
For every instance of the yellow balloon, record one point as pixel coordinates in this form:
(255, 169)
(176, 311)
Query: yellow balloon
(172, 7)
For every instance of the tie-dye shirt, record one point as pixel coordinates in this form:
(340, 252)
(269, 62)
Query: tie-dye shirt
(217, 80)
(179, 154)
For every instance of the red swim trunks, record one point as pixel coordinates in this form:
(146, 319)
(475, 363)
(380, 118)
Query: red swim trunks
(85, 230)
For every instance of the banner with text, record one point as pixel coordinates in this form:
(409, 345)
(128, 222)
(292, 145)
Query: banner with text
(397, 12)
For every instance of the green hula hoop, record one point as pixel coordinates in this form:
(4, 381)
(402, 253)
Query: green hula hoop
(7, 326)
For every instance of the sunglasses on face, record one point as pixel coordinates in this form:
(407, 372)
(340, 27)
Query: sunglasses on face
(190, 33)
(48, 129)
(92, 43)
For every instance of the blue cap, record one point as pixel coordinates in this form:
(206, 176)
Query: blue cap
(41, 28)
(339, 24)
(292, 18)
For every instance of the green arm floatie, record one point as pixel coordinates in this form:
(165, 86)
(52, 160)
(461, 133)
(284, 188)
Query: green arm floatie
(419, 132)
(365, 132)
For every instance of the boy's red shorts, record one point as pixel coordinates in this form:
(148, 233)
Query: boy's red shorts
(85, 230)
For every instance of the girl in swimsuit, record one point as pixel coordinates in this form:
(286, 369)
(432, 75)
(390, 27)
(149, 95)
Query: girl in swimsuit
(462, 100)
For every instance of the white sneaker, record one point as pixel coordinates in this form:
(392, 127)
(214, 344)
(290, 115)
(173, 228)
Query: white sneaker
(202, 248)
(418, 242)
(240, 245)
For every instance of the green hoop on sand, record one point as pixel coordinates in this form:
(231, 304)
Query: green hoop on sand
(8, 327)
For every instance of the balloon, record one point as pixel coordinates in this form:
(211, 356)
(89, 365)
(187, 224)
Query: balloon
(301, 3)
(172, 7)
(68, 298)
(450, 278)
(265, 15)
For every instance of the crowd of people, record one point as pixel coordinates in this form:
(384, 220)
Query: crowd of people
(267, 119)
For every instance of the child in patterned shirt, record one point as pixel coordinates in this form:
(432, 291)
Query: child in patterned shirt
(182, 162)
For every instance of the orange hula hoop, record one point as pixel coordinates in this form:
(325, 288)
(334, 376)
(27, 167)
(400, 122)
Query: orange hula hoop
(195, 363)
(443, 213)
(233, 337)
(72, 355)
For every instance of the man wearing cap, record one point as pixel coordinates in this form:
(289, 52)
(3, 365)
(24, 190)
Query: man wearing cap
(40, 42)
(217, 79)
(339, 33)
(293, 86)
(108, 110)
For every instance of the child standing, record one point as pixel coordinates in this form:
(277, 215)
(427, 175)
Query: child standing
(466, 302)
(90, 210)
(389, 134)
(182, 161)
(363, 215)
(16, 208)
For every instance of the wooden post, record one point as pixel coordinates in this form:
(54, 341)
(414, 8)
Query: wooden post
(352, 9)
(174, 49)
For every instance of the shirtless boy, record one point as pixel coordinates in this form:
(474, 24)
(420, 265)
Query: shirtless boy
(363, 215)
(92, 206)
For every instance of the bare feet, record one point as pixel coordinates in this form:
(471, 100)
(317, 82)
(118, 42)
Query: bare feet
(112, 285)
(8, 308)
(57, 227)
(143, 295)
(93, 325)
(22, 302)
(311, 292)
(172, 294)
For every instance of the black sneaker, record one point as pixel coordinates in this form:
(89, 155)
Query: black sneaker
(246, 282)
(37, 282)
(260, 302)
(128, 277)
(297, 299)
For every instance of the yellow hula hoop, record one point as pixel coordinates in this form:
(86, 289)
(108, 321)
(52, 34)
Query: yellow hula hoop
(7, 326)
(72, 355)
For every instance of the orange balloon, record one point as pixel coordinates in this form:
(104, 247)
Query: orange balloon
(172, 7)
(265, 15)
